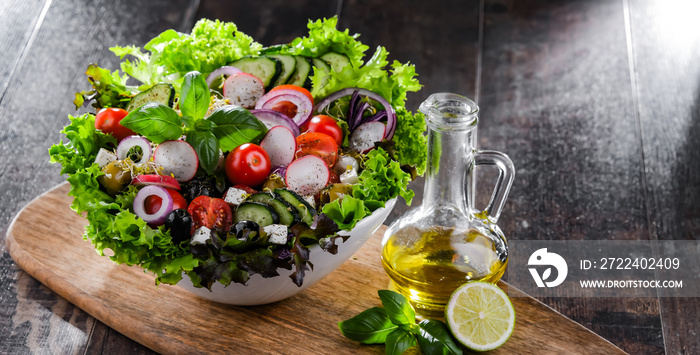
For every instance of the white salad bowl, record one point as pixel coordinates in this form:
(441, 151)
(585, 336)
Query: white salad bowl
(259, 290)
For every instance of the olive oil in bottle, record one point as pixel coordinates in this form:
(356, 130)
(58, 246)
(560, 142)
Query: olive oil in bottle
(445, 242)
(428, 265)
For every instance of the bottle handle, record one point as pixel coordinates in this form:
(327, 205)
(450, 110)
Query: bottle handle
(503, 184)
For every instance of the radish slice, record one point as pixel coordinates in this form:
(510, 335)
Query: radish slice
(221, 74)
(307, 175)
(302, 102)
(166, 206)
(272, 118)
(177, 158)
(159, 180)
(243, 89)
(127, 145)
(362, 140)
(280, 144)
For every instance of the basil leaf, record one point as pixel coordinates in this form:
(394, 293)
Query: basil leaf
(207, 147)
(235, 126)
(369, 327)
(157, 122)
(204, 125)
(434, 338)
(188, 122)
(194, 95)
(398, 341)
(397, 307)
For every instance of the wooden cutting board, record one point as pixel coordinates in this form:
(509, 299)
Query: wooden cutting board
(45, 240)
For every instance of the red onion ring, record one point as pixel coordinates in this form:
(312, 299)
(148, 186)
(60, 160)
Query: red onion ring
(390, 113)
(271, 118)
(134, 141)
(166, 206)
(225, 71)
(304, 105)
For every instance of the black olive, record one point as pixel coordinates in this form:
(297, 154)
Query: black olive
(179, 222)
(246, 231)
(198, 186)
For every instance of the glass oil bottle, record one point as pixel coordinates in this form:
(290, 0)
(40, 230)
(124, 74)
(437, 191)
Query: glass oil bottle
(445, 242)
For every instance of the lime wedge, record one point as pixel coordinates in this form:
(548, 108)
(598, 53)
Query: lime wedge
(480, 316)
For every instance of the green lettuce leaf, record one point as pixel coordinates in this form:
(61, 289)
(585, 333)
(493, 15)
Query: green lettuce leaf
(345, 212)
(410, 140)
(141, 68)
(324, 37)
(210, 45)
(112, 225)
(382, 179)
(109, 89)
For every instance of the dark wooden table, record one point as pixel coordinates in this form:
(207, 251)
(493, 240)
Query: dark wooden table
(596, 102)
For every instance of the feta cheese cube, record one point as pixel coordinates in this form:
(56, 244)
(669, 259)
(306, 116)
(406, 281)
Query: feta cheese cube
(277, 233)
(345, 163)
(310, 200)
(201, 235)
(235, 196)
(104, 157)
(349, 177)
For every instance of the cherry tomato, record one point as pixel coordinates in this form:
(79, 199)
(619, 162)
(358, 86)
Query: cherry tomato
(285, 107)
(334, 178)
(297, 88)
(325, 124)
(249, 190)
(153, 202)
(107, 121)
(318, 144)
(210, 212)
(248, 165)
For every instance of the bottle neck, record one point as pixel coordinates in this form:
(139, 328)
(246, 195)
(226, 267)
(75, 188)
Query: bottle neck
(450, 153)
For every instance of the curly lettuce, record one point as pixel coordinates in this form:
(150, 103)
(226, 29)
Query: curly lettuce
(112, 225)
(210, 45)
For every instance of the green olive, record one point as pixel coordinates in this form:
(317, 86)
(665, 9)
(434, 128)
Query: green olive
(115, 178)
(335, 192)
(273, 182)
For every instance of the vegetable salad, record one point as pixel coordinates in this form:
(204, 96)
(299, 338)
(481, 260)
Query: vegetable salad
(230, 159)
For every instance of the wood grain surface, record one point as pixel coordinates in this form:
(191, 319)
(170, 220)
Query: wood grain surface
(667, 83)
(596, 102)
(167, 319)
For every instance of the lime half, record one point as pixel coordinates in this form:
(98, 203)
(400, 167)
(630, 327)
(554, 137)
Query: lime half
(480, 316)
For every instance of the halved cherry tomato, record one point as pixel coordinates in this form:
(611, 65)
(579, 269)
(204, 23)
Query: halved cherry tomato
(248, 165)
(318, 144)
(210, 212)
(249, 190)
(153, 202)
(334, 179)
(325, 124)
(107, 121)
(297, 88)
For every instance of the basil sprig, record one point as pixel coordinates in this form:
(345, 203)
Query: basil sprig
(395, 325)
(154, 121)
(224, 130)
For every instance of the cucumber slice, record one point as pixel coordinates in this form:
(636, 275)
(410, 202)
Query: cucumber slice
(287, 214)
(289, 65)
(267, 69)
(324, 68)
(160, 93)
(306, 212)
(259, 213)
(301, 75)
(336, 61)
